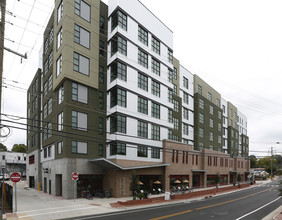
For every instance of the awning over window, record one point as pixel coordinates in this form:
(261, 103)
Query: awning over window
(107, 164)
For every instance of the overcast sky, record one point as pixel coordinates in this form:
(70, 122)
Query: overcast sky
(235, 46)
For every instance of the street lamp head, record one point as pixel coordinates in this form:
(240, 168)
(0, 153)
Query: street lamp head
(277, 142)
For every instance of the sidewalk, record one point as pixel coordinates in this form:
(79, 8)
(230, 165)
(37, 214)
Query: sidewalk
(34, 205)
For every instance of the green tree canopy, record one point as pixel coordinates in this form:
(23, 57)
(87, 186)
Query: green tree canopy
(3, 147)
(19, 148)
(253, 160)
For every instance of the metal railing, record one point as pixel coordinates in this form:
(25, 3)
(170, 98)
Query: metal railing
(7, 197)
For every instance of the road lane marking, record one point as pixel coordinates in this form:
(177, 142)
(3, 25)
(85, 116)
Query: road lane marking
(172, 215)
(258, 208)
(205, 207)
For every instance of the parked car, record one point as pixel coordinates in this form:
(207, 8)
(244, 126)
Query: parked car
(6, 176)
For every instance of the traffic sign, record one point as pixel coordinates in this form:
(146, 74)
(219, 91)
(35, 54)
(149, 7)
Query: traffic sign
(15, 177)
(75, 176)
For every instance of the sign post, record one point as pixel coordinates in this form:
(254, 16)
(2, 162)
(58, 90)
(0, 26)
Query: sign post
(74, 176)
(15, 177)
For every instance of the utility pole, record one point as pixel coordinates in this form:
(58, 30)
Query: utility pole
(2, 37)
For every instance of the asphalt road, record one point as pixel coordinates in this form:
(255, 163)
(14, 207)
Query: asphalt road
(253, 203)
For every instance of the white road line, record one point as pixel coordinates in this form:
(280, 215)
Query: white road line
(26, 216)
(258, 208)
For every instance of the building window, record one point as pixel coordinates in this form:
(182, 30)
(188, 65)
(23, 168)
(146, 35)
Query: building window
(101, 74)
(156, 67)
(155, 132)
(61, 94)
(142, 151)
(155, 152)
(219, 115)
(199, 89)
(217, 103)
(169, 134)
(46, 45)
(142, 129)
(143, 35)
(49, 129)
(118, 70)
(142, 105)
(211, 110)
(155, 110)
(100, 125)
(102, 24)
(119, 19)
(170, 75)
(174, 89)
(118, 44)
(186, 113)
(59, 65)
(219, 127)
(143, 58)
(50, 59)
(211, 123)
(201, 132)
(31, 159)
(175, 73)
(60, 121)
(101, 48)
(201, 118)
(45, 89)
(79, 121)
(185, 83)
(176, 123)
(82, 9)
(60, 147)
(209, 96)
(185, 98)
(50, 82)
(211, 136)
(118, 124)
(100, 150)
(175, 106)
(117, 148)
(79, 93)
(81, 36)
(170, 120)
(170, 92)
(156, 88)
(79, 147)
(185, 129)
(118, 97)
(142, 81)
(170, 56)
(81, 64)
(50, 106)
(219, 139)
(45, 110)
(155, 45)
(45, 67)
(59, 12)
(101, 100)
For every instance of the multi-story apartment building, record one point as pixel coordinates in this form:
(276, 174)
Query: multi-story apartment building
(208, 117)
(33, 130)
(73, 101)
(114, 100)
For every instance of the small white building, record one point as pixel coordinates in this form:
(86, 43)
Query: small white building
(13, 162)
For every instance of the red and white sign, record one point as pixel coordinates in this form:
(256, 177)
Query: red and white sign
(75, 176)
(15, 177)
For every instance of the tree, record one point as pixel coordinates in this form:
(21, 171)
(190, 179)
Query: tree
(134, 187)
(3, 147)
(239, 178)
(253, 160)
(217, 179)
(19, 148)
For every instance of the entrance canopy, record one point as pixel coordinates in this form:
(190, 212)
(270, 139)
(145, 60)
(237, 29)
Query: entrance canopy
(107, 164)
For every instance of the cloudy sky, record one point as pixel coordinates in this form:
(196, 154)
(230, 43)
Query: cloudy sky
(235, 46)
